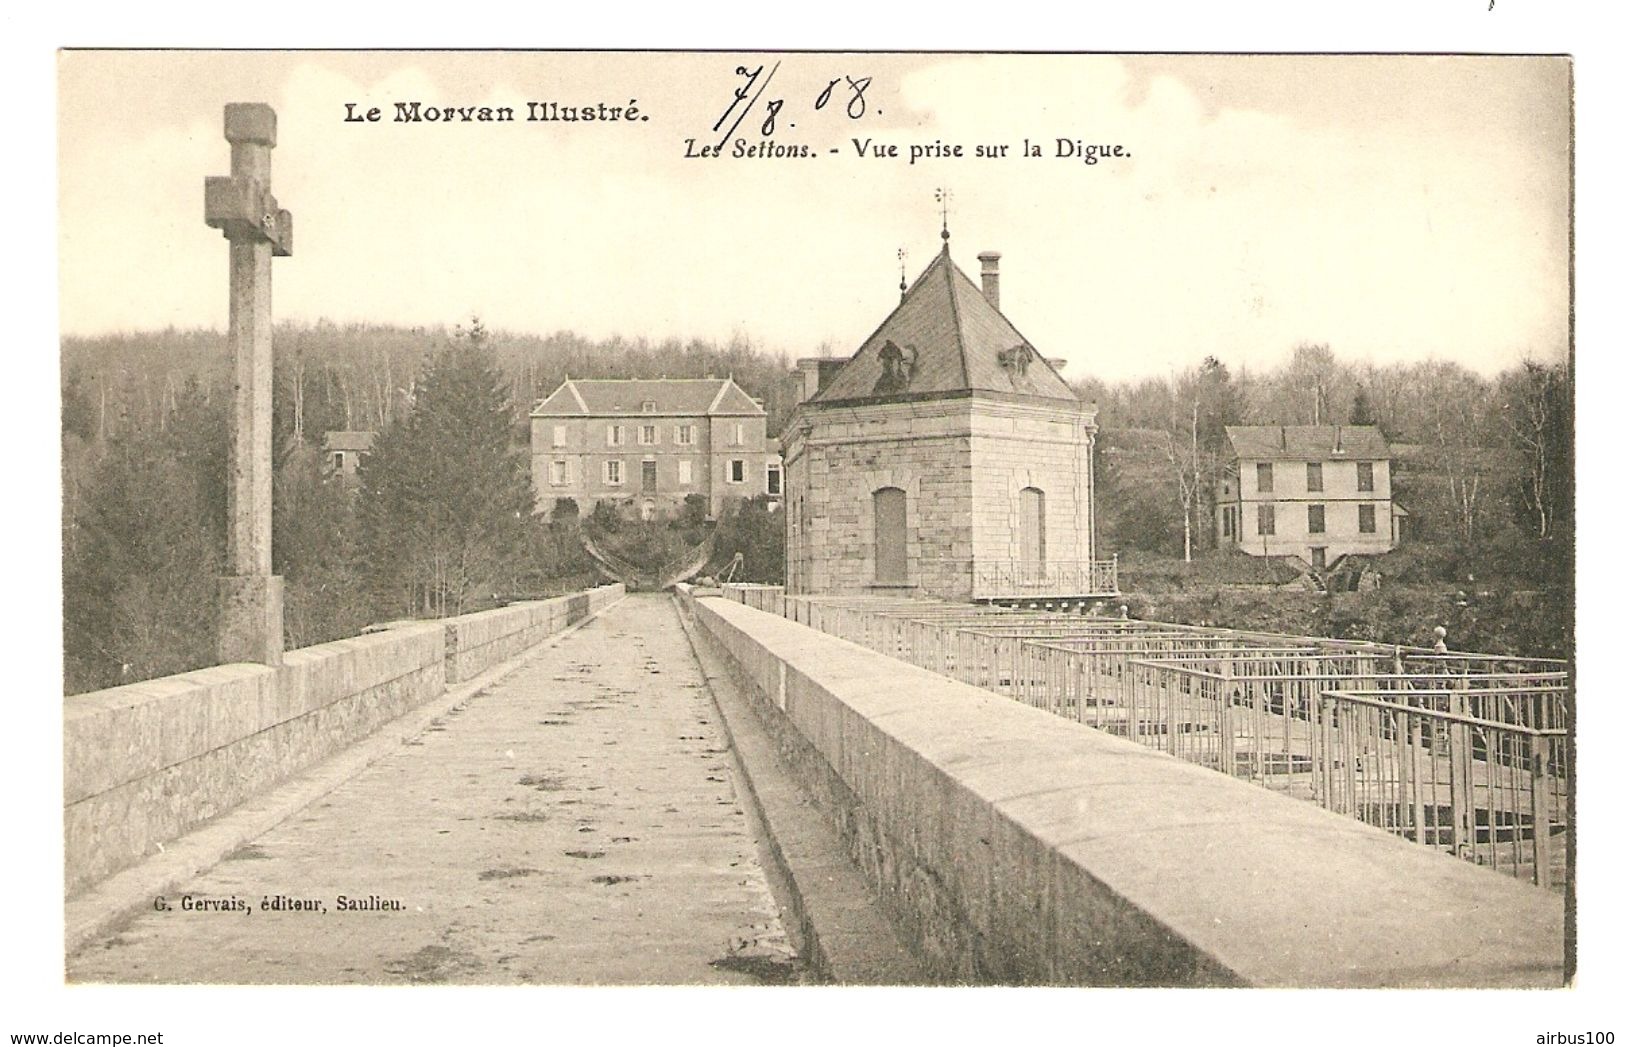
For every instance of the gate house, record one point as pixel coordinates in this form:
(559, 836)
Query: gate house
(945, 457)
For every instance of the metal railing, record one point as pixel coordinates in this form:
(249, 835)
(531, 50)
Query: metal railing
(1037, 579)
(1467, 753)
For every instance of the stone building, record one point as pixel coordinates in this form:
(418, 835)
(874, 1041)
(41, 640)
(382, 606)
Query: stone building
(342, 450)
(1317, 492)
(945, 457)
(648, 443)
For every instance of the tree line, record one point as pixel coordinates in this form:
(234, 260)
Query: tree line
(440, 522)
(1484, 465)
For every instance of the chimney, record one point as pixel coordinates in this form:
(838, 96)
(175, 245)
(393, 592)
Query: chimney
(990, 276)
(808, 386)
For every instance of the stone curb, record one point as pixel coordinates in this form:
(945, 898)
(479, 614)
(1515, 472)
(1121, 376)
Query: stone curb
(106, 905)
(845, 936)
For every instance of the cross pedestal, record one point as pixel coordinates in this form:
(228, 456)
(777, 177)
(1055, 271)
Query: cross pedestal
(242, 208)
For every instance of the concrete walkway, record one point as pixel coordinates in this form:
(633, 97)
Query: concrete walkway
(577, 824)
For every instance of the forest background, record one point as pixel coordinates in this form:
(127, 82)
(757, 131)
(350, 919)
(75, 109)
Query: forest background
(440, 524)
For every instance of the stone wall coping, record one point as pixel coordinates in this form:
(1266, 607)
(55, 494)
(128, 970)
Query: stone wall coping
(146, 761)
(1272, 888)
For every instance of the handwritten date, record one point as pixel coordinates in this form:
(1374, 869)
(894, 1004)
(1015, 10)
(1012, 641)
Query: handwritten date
(845, 92)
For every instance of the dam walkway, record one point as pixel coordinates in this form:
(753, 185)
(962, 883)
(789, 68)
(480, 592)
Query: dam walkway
(577, 822)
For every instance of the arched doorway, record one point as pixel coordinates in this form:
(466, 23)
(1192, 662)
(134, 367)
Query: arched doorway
(891, 536)
(1031, 527)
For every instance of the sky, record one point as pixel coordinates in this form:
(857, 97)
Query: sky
(1393, 208)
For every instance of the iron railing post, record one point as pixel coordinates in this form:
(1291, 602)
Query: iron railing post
(1540, 768)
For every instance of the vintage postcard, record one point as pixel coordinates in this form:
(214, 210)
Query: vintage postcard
(803, 518)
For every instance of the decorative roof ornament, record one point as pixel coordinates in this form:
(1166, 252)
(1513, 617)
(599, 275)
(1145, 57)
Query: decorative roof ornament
(944, 198)
(1017, 359)
(896, 368)
(902, 271)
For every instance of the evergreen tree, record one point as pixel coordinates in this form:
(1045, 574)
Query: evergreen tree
(445, 494)
(1361, 413)
(1219, 403)
(143, 546)
(315, 549)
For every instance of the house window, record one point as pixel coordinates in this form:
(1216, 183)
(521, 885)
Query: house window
(684, 434)
(736, 471)
(1367, 482)
(739, 434)
(775, 482)
(1266, 520)
(559, 434)
(685, 471)
(648, 434)
(1317, 557)
(1368, 519)
(559, 473)
(338, 460)
(615, 471)
(648, 407)
(1317, 519)
(1225, 517)
(1316, 481)
(1266, 478)
(617, 435)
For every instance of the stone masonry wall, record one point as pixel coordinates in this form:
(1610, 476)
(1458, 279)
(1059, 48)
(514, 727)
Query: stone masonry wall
(923, 449)
(1017, 847)
(962, 463)
(1010, 451)
(146, 762)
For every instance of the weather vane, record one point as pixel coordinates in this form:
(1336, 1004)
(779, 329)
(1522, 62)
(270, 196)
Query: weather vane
(944, 197)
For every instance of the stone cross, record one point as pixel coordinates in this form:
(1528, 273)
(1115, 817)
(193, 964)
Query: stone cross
(242, 208)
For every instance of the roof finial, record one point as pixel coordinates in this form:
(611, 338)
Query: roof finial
(902, 270)
(944, 198)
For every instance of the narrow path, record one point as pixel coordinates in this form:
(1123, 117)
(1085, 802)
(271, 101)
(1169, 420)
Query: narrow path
(577, 824)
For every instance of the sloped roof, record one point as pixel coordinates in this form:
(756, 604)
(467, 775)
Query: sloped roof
(950, 338)
(348, 440)
(1307, 442)
(670, 396)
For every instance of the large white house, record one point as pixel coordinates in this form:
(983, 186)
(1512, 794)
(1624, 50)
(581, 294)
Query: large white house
(649, 443)
(1317, 492)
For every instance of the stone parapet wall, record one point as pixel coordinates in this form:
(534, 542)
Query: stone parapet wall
(147, 762)
(1017, 847)
(475, 642)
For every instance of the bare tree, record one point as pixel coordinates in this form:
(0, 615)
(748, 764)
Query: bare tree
(1457, 417)
(1536, 403)
(1186, 456)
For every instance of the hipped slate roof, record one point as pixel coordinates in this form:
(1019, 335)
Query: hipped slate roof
(348, 440)
(1307, 442)
(952, 338)
(670, 396)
